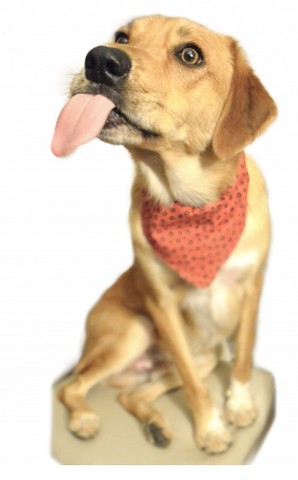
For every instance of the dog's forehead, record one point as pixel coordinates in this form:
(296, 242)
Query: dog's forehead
(172, 30)
(176, 25)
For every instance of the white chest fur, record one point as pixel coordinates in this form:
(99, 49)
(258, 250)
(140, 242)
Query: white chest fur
(214, 312)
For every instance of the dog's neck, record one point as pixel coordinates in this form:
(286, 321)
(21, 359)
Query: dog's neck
(189, 179)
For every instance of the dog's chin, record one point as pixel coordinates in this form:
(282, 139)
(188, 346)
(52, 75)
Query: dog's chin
(121, 130)
(121, 135)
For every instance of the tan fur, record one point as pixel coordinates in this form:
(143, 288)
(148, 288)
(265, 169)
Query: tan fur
(204, 116)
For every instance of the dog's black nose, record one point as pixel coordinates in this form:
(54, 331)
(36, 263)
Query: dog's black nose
(107, 65)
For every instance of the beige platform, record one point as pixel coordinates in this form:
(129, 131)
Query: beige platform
(121, 440)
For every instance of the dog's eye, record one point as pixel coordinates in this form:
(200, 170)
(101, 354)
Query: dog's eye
(121, 37)
(191, 55)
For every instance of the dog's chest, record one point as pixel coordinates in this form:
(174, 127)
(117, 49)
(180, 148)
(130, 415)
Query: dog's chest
(212, 314)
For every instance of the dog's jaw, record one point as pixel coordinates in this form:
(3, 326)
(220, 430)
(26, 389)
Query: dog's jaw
(121, 130)
(120, 135)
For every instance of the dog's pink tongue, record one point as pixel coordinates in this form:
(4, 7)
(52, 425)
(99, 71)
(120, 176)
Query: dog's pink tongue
(81, 120)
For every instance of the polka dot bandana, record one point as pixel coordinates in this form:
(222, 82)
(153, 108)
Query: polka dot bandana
(196, 242)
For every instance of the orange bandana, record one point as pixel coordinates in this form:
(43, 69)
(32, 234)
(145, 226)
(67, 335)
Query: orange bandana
(196, 242)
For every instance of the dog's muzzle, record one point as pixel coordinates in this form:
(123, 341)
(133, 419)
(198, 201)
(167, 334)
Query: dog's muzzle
(107, 66)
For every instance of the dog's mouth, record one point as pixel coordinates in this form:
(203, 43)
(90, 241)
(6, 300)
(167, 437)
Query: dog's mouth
(117, 118)
(84, 117)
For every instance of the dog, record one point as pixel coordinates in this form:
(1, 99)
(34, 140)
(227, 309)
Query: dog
(185, 103)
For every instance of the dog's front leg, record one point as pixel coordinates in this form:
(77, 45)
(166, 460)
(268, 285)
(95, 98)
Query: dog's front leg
(240, 408)
(210, 431)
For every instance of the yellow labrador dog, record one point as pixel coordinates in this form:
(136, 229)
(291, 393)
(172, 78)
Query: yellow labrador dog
(184, 102)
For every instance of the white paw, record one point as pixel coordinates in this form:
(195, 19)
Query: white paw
(214, 436)
(240, 408)
(84, 424)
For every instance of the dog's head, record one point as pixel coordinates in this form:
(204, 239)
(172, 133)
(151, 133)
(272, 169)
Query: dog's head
(176, 84)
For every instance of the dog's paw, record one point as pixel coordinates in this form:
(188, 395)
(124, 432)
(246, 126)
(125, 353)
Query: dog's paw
(84, 424)
(158, 431)
(157, 435)
(214, 437)
(240, 408)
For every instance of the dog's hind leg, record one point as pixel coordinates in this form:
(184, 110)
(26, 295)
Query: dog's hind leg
(139, 401)
(110, 355)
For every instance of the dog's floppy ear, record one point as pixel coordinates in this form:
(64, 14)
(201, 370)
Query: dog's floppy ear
(248, 110)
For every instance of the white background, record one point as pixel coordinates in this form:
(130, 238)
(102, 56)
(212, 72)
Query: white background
(64, 235)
